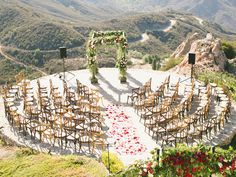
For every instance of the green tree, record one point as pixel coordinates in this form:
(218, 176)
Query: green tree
(150, 59)
(38, 58)
(154, 63)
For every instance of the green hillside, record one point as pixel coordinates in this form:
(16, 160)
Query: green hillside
(23, 31)
(8, 70)
(23, 28)
(161, 42)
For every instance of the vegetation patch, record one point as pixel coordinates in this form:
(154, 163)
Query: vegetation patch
(8, 70)
(170, 63)
(2, 143)
(225, 80)
(229, 48)
(115, 163)
(185, 161)
(31, 163)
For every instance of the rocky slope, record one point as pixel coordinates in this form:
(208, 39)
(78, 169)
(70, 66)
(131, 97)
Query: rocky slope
(209, 56)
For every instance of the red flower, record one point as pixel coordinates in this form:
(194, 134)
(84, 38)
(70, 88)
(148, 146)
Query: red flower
(233, 165)
(149, 164)
(187, 175)
(221, 170)
(221, 159)
(144, 173)
(151, 171)
(179, 172)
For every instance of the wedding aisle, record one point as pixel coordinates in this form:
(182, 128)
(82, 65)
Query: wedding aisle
(126, 136)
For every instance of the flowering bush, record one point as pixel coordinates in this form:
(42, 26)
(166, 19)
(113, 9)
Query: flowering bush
(109, 38)
(197, 161)
(187, 162)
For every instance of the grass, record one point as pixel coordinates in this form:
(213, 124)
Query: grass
(28, 163)
(116, 165)
(221, 79)
(2, 143)
(170, 63)
(232, 144)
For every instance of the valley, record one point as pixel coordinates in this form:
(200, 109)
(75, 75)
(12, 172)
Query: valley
(26, 33)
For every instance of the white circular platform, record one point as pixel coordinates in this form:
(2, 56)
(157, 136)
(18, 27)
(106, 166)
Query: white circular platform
(114, 93)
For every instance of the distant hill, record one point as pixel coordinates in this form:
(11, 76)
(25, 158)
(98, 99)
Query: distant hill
(32, 24)
(29, 25)
(25, 28)
(81, 11)
(219, 11)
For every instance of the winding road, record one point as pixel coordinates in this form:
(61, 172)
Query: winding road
(11, 58)
(199, 20)
(145, 36)
(170, 26)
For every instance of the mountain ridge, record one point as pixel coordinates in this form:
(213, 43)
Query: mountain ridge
(25, 28)
(219, 11)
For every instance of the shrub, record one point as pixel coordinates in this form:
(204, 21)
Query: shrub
(2, 143)
(131, 171)
(170, 63)
(25, 152)
(154, 64)
(3, 139)
(134, 54)
(150, 59)
(158, 66)
(229, 67)
(145, 58)
(115, 163)
(229, 49)
(129, 62)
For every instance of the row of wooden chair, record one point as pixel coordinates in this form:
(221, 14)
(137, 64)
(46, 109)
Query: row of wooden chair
(171, 123)
(47, 117)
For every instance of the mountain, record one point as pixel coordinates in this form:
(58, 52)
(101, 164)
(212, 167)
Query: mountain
(49, 24)
(74, 10)
(23, 27)
(219, 11)
(83, 11)
(27, 26)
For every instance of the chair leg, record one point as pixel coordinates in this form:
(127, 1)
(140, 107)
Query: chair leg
(89, 146)
(75, 145)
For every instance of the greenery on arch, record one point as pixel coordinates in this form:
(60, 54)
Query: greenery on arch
(100, 38)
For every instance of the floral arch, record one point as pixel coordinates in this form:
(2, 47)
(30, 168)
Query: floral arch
(99, 38)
